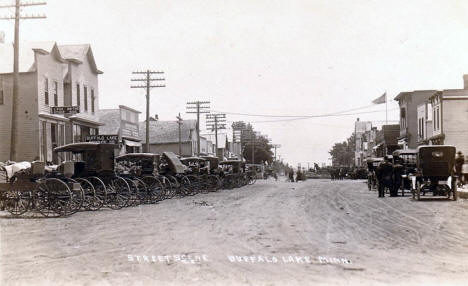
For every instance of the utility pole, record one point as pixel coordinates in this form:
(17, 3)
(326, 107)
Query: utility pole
(14, 105)
(275, 146)
(215, 122)
(148, 84)
(179, 122)
(200, 107)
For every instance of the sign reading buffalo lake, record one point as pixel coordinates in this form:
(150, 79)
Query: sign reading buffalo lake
(64, 109)
(111, 139)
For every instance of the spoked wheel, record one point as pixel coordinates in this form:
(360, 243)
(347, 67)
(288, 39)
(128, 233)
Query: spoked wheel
(135, 198)
(53, 198)
(91, 202)
(78, 197)
(156, 190)
(185, 186)
(118, 193)
(195, 185)
(213, 183)
(169, 189)
(17, 202)
(100, 193)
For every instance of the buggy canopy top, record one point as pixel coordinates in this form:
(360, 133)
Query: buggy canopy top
(174, 162)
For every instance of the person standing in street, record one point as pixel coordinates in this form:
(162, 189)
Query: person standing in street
(384, 174)
(459, 162)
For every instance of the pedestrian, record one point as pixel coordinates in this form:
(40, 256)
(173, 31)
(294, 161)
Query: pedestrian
(384, 174)
(291, 175)
(459, 162)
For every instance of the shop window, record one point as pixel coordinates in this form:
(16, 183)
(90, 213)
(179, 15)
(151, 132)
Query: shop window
(46, 91)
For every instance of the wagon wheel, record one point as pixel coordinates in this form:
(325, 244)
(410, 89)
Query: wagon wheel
(17, 202)
(185, 188)
(91, 201)
(155, 189)
(169, 190)
(118, 193)
(134, 192)
(53, 197)
(195, 185)
(100, 193)
(77, 199)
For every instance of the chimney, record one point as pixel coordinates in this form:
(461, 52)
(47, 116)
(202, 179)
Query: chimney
(465, 81)
(2, 37)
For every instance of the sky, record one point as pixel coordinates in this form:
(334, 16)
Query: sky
(275, 57)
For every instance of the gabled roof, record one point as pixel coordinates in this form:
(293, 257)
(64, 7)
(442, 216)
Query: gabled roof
(74, 53)
(26, 55)
(78, 54)
(167, 131)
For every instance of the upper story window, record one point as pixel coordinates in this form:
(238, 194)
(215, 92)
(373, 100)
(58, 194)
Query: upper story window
(46, 91)
(55, 93)
(403, 118)
(92, 100)
(85, 90)
(1, 92)
(78, 95)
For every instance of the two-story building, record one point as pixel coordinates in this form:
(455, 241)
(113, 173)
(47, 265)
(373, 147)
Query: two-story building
(386, 140)
(409, 102)
(364, 140)
(124, 123)
(450, 118)
(51, 77)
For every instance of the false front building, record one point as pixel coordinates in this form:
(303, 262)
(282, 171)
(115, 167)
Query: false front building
(57, 99)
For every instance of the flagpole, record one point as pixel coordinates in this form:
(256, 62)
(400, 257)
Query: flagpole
(386, 109)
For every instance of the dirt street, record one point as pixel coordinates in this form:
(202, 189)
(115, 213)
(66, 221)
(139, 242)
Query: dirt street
(271, 233)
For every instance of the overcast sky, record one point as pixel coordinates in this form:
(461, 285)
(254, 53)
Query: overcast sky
(287, 57)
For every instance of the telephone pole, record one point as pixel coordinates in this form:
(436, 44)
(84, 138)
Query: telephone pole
(14, 105)
(215, 122)
(179, 122)
(200, 107)
(275, 146)
(148, 84)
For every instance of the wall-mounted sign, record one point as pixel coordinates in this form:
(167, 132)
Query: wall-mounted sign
(111, 139)
(64, 109)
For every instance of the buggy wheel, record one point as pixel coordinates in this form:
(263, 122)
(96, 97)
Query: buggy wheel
(53, 198)
(90, 199)
(17, 202)
(154, 188)
(169, 189)
(77, 198)
(118, 193)
(185, 186)
(100, 192)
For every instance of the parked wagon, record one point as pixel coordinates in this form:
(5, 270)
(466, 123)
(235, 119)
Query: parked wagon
(434, 172)
(199, 172)
(140, 169)
(172, 168)
(94, 162)
(28, 190)
(234, 175)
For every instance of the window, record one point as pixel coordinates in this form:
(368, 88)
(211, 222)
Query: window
(78, 97)
(92, 100)
(85, 89)
(46, 91)
(403, 118)
(1, 91)
(55, 93)
(76, 133)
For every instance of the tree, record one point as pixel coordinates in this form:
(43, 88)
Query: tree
(343, 153)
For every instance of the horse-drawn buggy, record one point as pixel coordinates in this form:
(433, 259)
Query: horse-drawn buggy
(372, 164)
(234, 174)
(140, 169)
(435, 172)
(93, 165)
(27, 188)
(404, 166)
(172, 168)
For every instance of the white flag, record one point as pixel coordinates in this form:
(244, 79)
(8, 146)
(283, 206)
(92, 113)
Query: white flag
(380, 99)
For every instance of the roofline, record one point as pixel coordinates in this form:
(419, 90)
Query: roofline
(129, 108)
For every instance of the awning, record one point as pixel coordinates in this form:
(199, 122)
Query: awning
(132, 143)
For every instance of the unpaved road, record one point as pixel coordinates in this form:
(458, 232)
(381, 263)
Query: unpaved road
(314, 232)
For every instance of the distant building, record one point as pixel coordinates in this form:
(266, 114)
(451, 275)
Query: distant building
(409, 102)
(364, 140)
(164, 136)
(424, 122)
(51, 77)
(123, 122)
(387, 140)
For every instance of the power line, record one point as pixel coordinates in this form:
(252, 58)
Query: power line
(198, 107)
(215, 122)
